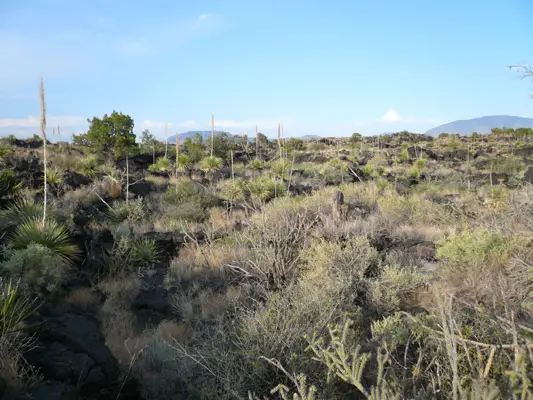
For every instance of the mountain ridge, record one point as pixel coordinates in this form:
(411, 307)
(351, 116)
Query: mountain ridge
(481, 125)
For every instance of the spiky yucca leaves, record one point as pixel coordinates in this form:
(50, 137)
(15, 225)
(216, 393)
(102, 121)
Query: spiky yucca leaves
(9, 184)
(161, 164)
(14, 307)
(20, 211)
(145, 252)
(265, 189)
(89, 166)
(54, 176)
(185, 162)
(211, 164)
(51, 234)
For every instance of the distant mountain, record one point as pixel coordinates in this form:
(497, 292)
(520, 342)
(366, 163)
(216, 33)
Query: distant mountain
(189, 134)
(482, 125)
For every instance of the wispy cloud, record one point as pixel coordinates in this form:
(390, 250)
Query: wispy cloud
(32, 121)
(392, 116)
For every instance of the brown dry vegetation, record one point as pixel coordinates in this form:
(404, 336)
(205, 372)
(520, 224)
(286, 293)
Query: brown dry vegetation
(418, 286)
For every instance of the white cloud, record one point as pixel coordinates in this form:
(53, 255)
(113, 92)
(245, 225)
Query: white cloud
(32, 121)
(155, 124)
(189, 124)
(391, 116)
(203, 16)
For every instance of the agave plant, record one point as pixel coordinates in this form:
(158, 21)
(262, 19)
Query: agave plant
(51, 234)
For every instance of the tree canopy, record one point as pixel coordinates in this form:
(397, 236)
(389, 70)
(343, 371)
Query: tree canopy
(111, 133)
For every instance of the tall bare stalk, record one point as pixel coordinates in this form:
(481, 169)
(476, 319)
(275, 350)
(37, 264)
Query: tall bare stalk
(257, 156)
(166, 140)
(43, 134)
(279, 142)
(177, 153)
(212, 133)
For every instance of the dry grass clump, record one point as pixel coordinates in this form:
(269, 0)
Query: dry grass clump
(83, 300)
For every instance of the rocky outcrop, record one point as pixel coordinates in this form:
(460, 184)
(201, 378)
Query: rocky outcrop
(71, 352)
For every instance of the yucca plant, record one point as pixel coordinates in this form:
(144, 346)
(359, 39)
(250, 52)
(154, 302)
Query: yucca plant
(51, 234)
(54, 176)
(145, 252)
(9, 184)
(89, 166)
(281, 168)
(14, 307)
(211, 164)
(185, 162)
(19, 211)
(161, 164)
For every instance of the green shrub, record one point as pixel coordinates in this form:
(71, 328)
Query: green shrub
(51, 235)
(161, 164)
(89, 166)
(265, 189)
(479, 245)
(39, 268)
(20, 211)
(395, 287)
(15, 307)
(145, 252)
(9, 184)
(54, 176)
(190, 200)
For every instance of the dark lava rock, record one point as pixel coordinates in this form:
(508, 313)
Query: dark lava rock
(141, 188)
(528, 175)
(75, 180)
(71, 349)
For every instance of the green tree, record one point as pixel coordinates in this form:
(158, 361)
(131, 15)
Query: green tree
(111, 133)
(194, 148)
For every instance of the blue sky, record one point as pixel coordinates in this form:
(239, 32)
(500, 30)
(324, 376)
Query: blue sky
(321, 67)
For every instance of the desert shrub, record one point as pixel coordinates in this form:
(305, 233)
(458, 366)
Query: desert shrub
(161, 164)
(275, 245)
(191, 201)
(479, 245)
(9, 184)
(345, 261)
(21, 210)
(264, 189)
(54, 176)
(89, 166)
(15, 307)
(281, 168)
(52, 235)
(134, 211)
(396, 287)
(145, 252)
(211, 164)
(39, 268)
(369, 171)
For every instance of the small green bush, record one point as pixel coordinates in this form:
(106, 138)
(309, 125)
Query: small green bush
(39, 268)
(479, 245)
(161, 164)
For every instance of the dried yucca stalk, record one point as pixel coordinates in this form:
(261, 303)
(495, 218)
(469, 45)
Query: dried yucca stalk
(212, 133)
(166, 140)
(43, 134)
(279, 142)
